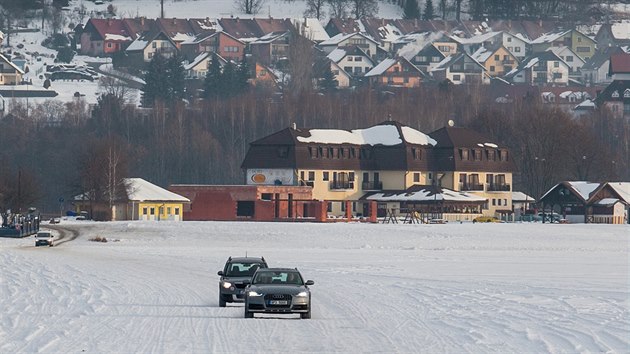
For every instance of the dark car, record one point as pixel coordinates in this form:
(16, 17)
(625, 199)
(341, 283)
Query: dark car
(278, 290)
(44, 238)
(235, 276)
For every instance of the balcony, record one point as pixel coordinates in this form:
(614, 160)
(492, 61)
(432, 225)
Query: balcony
(470, 187)
(372, 185)
(507, 62)
(492, 187)
(307, 183)
(335, 185)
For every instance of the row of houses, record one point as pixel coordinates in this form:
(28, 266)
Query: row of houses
(388, 170)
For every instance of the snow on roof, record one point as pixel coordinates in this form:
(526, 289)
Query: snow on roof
(622, 188)
(416, 42)
(381, 67)
(337, 39)
(337, 54)
(608, 201)
(482, 54)
(138, 44)
(522, 197)
(426, 195)
(311, 28)
(389, 32)
(140, 190)
(442, 65)
(210, 25)
(620, 30)
(584, 189)
(476, 39)
(586, 104)
(182, 37)
(116, 37)
(549, 37)
(3, 58)
(197, 60)
(377, 135)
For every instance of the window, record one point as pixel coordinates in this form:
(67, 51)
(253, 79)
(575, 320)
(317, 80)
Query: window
(416, 177)
(615, 94)
(353, 153)
(569, 58)
(351, 176)
(583, 49)
(301, 175)
(444, 48)
(477, 155)
(347, 69)
(456, 77)
(463, 154)
(326, 176)
(492, 68)
(244, 208)
(350, 58)
(330, 152)
(497, 57)
(504, 201)
(556, 64)
(494, 201)
(517, 49)
(153, 45)
(509, 39)
(152, 210)
(557, 75)
(310, 152)
(341, 153)
(168, 211)
(176, 211)
(311, 175)
(579, 39)
(109, 45)
(626, 93)
(320, 151)
(503, 155)
(266, 196)
(358, 59)
(491, 155)
(329, 207)
(436, 59)
(144, 211)
(416, 153)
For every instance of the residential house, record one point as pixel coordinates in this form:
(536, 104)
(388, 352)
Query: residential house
(384, 31)
(619, 67)
(271, 48)
(541, 69)
(141, 200)
(595, 70)
(398, 72)
(10, 74)
(472, 44)
(243, 29)
(199, 66)
(589, 202)
(616, 98)
(613, 34)
(567, 97)
(178, 30)
(352, 166)
(578, 42)
(274, 25)
(337, 26)
(521, 203)
(574, 61)
(368, 45)
(264, 77)
(461, 69)
(515, 44)
(152, 43)
(353, 60)
(105, 36)
(220, 42)
(425, 59)
(497, 60)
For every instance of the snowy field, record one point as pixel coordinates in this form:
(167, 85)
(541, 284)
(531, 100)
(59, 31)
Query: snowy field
(454, 288)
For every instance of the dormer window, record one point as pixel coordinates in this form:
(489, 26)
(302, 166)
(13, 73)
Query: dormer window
(503, 155)
(463, 154)
(615, 94)
(626, 93)
(477, 155)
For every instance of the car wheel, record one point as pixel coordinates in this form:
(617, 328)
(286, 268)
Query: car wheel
(248, 314)
(221, 301)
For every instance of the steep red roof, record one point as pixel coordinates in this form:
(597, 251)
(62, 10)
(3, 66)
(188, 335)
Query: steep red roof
(619, 63)
(241, 28)
(115, 28)
(269, 25)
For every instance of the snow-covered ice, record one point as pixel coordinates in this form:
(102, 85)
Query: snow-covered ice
(379, 288)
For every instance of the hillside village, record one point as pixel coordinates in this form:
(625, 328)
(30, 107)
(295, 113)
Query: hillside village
(580, 69)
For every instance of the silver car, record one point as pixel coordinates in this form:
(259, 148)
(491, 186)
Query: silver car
(278, 290)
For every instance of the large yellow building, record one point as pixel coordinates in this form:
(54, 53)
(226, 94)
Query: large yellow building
(455, 169)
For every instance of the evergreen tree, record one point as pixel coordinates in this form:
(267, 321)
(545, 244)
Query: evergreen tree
(156, 86)
(229, 80)
(176, 78)
(212, 83)
(411, 10)
(428, 10)
(243, 76)
(328, 83)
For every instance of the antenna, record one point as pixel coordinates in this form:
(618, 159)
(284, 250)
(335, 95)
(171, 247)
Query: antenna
(245, 254)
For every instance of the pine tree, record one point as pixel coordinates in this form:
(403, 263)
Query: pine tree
(212, 83)
(243, 76)
(411, 10)
(229, 80)
(328, 83)
(428, 10)
(156, 85)
(176, 78)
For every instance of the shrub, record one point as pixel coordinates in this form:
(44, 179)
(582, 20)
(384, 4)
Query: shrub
(98, 239)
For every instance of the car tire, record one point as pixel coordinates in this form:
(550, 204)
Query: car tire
(222, 302)
(248, 314)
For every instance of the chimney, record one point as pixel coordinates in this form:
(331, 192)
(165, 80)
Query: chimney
(416, 22)
(293, 126)
(540, 22)
(174, 20)
(510, 24)
(142, 21)
(109, 22)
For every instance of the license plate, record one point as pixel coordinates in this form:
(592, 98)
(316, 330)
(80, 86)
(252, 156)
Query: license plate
(278, 302)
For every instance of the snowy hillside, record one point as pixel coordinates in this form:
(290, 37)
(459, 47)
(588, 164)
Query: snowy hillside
(378, 288)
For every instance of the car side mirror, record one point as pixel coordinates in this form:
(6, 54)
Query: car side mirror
(220, 273)
(310, 282)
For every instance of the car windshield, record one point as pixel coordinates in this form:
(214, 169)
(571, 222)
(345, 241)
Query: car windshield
(281, 277)
(239, 269)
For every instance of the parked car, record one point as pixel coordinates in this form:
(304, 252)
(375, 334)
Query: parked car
(485, 219)
(44, 238)
(235, 276)
(278, 290)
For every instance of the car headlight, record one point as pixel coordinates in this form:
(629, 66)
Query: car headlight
(253, 293)
(227, 285)
(302, 294)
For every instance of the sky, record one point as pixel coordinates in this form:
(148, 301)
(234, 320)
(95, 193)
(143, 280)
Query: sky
(379, 288)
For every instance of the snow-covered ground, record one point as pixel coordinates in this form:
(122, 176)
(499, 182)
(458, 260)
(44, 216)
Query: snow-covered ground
(503, 288)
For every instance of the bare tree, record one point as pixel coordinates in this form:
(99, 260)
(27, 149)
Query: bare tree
(250, 7)
(300, 63)
(364, 8)
(109, 85)
(315, 8)
(338, 8)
